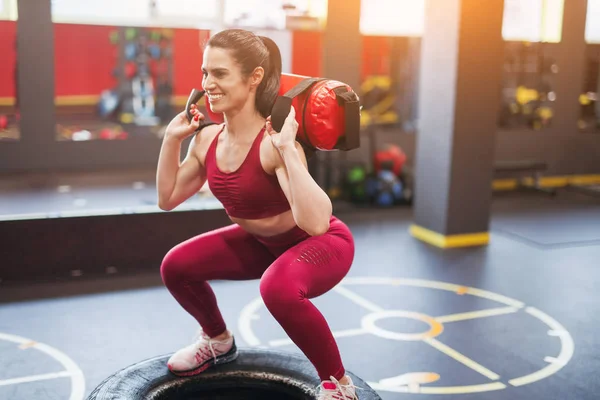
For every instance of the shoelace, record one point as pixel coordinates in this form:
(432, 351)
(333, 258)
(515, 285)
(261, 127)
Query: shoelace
(206, 350)
(339, 393)
(204, 353)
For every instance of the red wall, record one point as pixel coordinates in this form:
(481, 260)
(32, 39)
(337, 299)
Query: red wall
(8, 34)
(305, 45)
(376, 56)
(188, 55)
(85, 58)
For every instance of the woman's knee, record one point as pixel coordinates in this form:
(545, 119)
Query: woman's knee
(173, 267)
(181, 264)
(280, 293)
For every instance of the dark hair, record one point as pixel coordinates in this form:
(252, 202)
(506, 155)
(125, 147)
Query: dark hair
(252, 51)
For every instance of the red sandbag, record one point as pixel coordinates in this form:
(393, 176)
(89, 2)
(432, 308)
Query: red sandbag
(327, 112)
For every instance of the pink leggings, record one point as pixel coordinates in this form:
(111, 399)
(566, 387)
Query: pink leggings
(293, 267)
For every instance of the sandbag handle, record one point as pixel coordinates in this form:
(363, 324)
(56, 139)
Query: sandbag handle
(349, 99)
(194, 98)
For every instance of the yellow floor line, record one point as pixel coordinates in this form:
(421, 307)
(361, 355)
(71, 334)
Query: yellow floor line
(442, 241)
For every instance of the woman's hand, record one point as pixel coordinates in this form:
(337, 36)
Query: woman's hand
(180, 128)
(287, 136)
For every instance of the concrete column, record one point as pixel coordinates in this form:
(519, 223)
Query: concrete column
(341, 55)
(459, 97)
(342, 49)
(35, 52)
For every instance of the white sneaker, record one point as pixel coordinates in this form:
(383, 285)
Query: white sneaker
(202, 354)
(333, 390)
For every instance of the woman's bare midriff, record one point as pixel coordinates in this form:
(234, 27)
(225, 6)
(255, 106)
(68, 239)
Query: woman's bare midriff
(267, 226)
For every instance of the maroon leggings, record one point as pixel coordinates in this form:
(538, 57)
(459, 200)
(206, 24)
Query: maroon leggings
(293, 267)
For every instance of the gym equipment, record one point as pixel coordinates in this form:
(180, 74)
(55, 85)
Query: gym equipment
(127, 118)
(109, 101)
(167, 52)
(355, 184)
(130, 33)
(167, 33)
(143, 102)
(154, 50)
(163, 108)
(130, 51)
(130, 70)
(393, 158)
(81, 136)
(387, 185)
(531, 169)
(162, 68)
(144, 70)
(327, 111)
(527, 92)
(384, 189)
(140, 64)
(3, 122)
(155, 36)
(379, 101)
(256, 374)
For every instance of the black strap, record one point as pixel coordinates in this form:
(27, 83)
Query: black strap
(282, 105)
(302, 87)
(351, 103)
(194, 98)
(204, 124)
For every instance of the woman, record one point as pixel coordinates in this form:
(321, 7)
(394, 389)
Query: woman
(283, 231)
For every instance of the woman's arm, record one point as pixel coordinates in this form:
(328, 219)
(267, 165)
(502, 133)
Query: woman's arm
(176, 181)
(311, 206)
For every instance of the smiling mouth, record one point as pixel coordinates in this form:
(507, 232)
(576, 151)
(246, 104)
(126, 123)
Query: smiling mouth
(215, 97)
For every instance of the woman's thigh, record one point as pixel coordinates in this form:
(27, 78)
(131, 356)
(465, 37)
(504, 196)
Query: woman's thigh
(313, 266)
(227, 253)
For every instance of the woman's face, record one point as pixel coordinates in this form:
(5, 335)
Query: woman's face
(225, 86)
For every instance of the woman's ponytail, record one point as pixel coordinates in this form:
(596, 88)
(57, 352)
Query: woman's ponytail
(268, 90)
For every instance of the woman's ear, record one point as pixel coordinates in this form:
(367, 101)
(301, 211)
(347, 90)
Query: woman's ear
(257, 76)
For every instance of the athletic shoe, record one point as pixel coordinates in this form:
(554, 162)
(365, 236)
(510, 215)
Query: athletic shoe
(333, 390)
(201, 355)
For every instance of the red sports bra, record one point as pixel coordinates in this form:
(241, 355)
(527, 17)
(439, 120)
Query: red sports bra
(249, 192)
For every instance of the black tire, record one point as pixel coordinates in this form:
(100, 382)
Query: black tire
(256, 374)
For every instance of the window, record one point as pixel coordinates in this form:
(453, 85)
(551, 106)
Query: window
(275, 14)
(592, 27)
(206, 9)
(524, 20)
(392, 17)
(105, 12)
(159, 13)
(8, 10)
(533, 20)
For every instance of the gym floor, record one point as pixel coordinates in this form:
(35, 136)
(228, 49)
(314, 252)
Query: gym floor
(516, 319)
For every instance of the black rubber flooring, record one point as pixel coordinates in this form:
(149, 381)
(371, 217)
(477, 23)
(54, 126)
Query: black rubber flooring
(529, 332)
